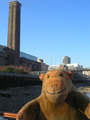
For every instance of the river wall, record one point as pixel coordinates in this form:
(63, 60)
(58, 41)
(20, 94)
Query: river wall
(15, 80)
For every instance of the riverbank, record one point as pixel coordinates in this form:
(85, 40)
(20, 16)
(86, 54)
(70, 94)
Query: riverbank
(12, 99)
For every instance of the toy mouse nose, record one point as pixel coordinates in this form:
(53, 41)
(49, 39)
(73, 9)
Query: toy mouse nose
(56, 87)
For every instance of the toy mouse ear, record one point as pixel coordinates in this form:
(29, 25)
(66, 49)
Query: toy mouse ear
(41, 77)
(70, 74)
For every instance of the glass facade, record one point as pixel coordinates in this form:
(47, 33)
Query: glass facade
(27, 56)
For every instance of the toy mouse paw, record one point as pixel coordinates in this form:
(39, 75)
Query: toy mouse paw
(87, 111)
(21, 115)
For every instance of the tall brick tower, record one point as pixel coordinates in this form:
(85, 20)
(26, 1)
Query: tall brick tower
(14, 30)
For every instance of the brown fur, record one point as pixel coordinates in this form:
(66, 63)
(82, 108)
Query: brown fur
(59, 100)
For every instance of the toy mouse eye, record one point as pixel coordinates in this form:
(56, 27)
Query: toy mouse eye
(61, 75)
(48, 76)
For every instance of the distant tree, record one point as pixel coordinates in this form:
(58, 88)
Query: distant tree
(8, 69)
(19, 70)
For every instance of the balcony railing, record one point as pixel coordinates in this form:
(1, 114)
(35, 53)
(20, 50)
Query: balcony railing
(4, 115)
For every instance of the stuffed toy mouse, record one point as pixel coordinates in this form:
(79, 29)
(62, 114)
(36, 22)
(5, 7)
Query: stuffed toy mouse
(59, 100)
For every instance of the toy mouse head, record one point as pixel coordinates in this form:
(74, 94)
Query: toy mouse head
(56, 85)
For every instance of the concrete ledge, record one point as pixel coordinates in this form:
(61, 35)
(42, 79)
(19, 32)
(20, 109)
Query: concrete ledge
(18, 75)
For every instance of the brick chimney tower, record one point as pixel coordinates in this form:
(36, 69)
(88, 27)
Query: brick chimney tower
(14, 30)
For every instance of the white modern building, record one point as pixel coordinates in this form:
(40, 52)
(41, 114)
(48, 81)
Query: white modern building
(74, 66)
(53, 67)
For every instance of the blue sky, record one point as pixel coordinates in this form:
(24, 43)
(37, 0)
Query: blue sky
(52, 29)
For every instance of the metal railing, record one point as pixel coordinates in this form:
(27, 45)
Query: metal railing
(4, 115)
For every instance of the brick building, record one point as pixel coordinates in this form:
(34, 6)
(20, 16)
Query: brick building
(7, 58)
(44, 67)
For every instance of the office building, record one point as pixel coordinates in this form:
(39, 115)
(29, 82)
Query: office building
(66, 60)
